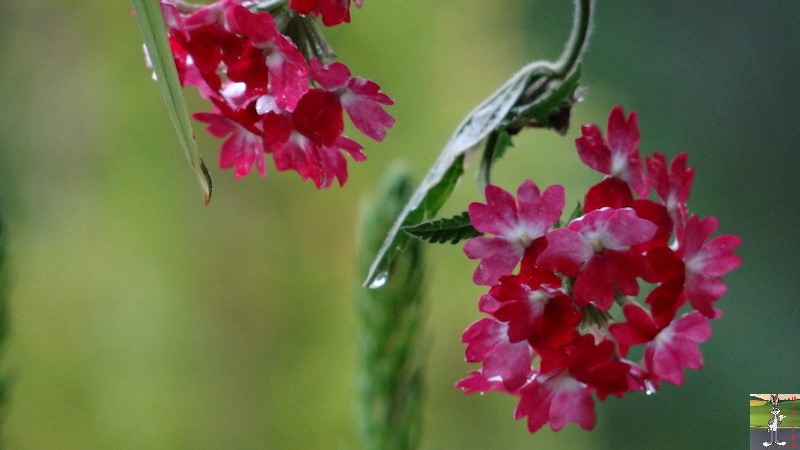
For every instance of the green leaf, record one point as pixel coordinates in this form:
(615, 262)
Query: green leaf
(432, 197)
(440, 180)
(496, 145)
(557, 95)
(439, 231)
(151, 22)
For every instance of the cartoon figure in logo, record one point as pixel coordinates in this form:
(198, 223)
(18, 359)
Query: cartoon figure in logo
(774, 422)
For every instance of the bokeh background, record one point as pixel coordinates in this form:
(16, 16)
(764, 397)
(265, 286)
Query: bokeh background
(142, 319)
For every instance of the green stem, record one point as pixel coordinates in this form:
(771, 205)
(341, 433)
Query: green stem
(389, 377)
(578, 39)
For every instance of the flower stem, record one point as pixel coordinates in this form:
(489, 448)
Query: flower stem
(578, 39)
(389, 378)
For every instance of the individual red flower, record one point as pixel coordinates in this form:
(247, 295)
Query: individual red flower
(534, 306)
(560, 393)
(504, 361)
(557, 398)
(362, 99)
(287, 68)
(672, 184)
(706, 261)
(244, 147)
(671, 344)
(595, 250)
(617, 157)
(515, 227)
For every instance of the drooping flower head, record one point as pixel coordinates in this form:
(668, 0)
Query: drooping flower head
(260, 85)
(551, 337)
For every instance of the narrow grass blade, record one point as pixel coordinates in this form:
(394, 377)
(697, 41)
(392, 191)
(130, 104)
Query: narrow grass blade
(151, 22)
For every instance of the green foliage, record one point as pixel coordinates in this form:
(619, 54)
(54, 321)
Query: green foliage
(389, 377)
(151, 22)
(557, 95)
(440, 231)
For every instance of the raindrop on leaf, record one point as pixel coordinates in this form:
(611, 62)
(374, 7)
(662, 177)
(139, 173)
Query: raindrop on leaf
(379, 280)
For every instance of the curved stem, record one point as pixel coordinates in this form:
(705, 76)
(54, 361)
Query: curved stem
(578, 39)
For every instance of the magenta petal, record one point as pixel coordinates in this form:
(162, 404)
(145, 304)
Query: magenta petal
(498, 216)
(475, 382)
(559, 400)
(334, 12)
(695, 234)
(676, 347)
(480, 338)
(625, 228)
(594, 285)
(539, 212)
(258, 27)
(304, 6)
(592, 149)
(624, 268)
(638, 328)
(666, 364)
(694, 326)
(565, 251)
(487, 342)
(623, 135)
(534, 402)
(611, 192)
(498, 258)
(510, 362)
(368, 116)
(718, 257)
(288, 74)
(333, 76)
(572, 404)
(702, 290)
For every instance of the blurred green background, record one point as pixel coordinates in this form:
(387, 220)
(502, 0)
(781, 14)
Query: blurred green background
(142, 319)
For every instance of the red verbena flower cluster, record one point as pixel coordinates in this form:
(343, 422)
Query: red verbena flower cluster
(555, 310)
(267, 96)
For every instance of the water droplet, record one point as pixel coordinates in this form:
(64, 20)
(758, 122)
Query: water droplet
(379, 280)
(649, 389)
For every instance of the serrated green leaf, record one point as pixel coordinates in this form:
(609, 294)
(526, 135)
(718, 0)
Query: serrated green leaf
(440, 231)
(151, 22)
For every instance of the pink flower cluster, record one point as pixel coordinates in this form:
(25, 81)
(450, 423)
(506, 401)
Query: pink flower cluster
(267, 98)
(556, 309)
